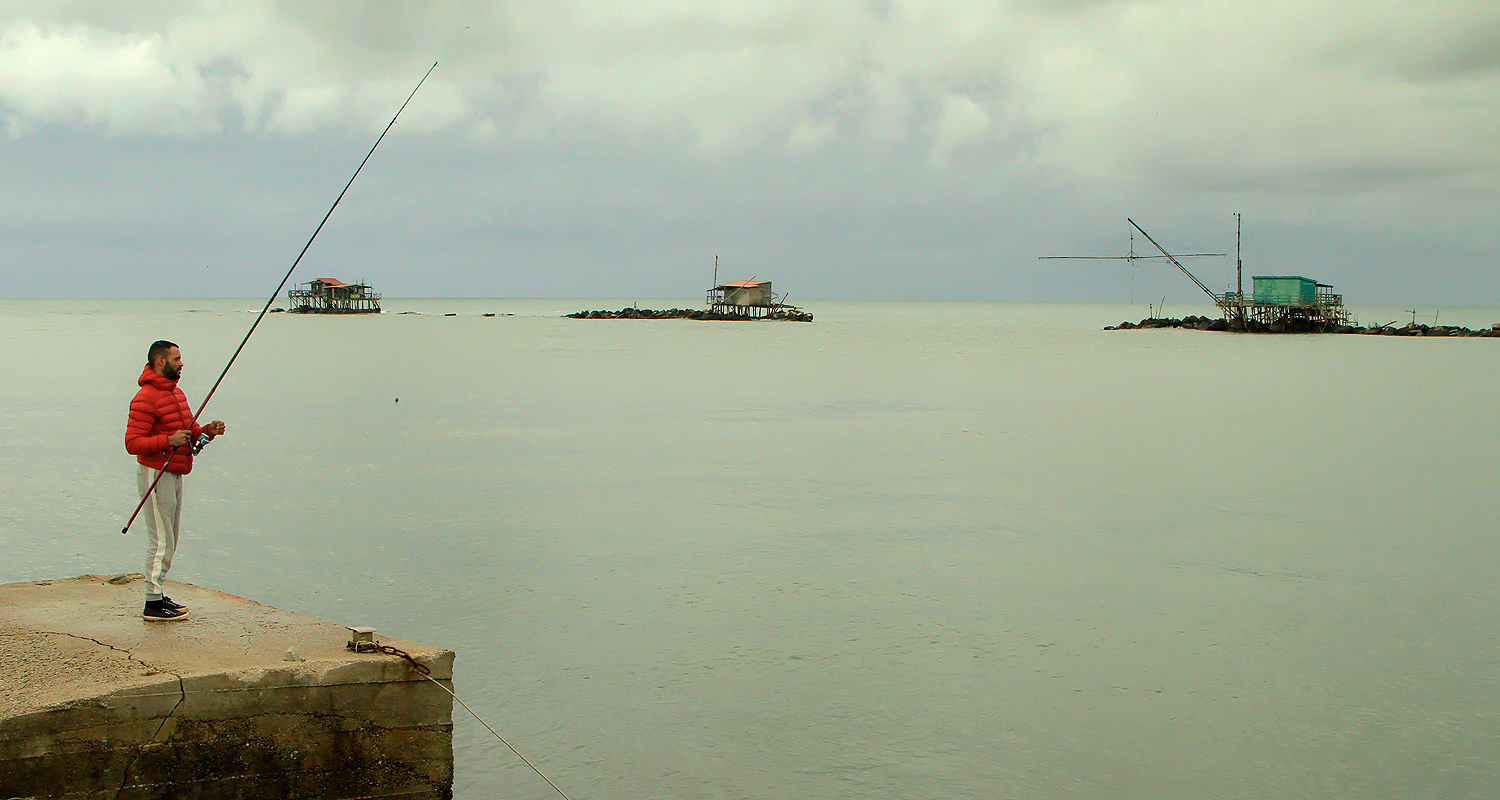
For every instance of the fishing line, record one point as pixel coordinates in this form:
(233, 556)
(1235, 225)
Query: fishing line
(497, 736)
(273, 297)
(425, 672)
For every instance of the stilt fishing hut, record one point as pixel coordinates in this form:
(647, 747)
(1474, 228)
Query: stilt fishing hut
(743, 298)
(1287, 301)
(751, 300)
(1277, 302)
(333, 296)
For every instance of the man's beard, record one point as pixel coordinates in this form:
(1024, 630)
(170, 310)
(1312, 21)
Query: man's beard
(170, 372)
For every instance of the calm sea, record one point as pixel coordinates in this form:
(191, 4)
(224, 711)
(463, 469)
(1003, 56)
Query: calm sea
(909, 550)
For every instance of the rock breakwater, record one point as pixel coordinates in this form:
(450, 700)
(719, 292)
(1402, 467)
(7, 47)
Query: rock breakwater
(788, 315)
(1306, 326)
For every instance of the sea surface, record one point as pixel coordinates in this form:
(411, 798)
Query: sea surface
(908, 550)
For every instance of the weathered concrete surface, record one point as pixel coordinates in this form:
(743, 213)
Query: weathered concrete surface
(96, 702)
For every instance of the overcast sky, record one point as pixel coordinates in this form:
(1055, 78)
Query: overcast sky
(931, 149)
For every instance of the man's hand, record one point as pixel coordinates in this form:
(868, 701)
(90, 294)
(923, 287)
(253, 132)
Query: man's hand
(215, 428)
(180, 438)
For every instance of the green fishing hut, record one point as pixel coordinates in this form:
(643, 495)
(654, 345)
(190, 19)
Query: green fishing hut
(1282, 300)
(1285, 290)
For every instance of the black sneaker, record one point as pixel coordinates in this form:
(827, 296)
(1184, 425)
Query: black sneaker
(167, 602)
(160, 613)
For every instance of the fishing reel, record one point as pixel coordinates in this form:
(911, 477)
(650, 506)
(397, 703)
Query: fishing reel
(202, 442)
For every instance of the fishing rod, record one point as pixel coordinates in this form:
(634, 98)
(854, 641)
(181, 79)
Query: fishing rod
(198, 447)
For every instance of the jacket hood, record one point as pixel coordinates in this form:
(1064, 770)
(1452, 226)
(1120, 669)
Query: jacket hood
(151, 376)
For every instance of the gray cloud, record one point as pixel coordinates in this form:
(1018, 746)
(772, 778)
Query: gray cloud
(593, 147)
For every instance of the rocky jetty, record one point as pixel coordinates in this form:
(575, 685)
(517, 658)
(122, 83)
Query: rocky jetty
(1196, 323)
(787, 314)
(1307, 326)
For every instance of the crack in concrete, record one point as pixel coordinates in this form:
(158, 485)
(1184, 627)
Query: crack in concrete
(181, 698)
(128, 653)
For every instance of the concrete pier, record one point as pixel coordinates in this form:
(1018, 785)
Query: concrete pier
(96, 702)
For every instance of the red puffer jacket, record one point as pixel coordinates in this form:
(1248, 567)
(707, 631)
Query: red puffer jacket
(159, 410)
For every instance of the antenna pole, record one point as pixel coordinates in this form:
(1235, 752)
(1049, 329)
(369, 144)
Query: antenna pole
(1239, 272)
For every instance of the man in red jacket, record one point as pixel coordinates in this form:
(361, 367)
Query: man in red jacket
(160, 434)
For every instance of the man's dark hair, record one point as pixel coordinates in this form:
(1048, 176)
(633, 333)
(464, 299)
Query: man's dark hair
(159, 348)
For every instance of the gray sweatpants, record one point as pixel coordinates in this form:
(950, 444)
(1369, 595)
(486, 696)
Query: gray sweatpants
(163, 511)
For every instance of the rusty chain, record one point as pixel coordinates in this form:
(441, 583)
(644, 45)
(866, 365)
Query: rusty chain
(396, 651)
